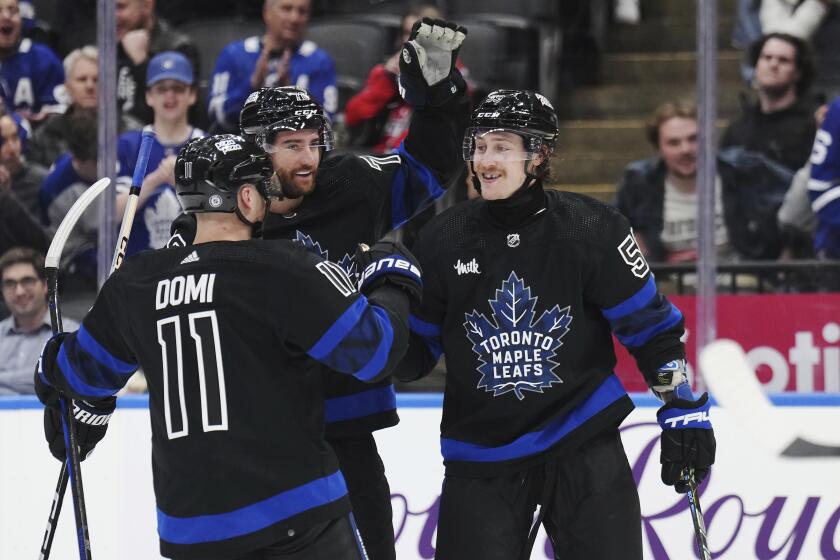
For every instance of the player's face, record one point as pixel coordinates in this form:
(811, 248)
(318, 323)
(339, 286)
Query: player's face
(9, 24)
(10, 147)
(132, 14)
(81, 83)
(24, 293)
(170, 99)
(499, 163)
(678, 146)
(295, 160)
(775, 69)
(286, 20)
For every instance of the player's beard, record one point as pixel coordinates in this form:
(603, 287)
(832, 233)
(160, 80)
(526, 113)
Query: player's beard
(294, 186)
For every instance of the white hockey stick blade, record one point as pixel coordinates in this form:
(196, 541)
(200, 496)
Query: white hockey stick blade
(735, 387)
(68, 223)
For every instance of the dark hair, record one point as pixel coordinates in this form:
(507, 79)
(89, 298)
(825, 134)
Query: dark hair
(803, 58)
(81, 129)
(17, 255)
(684, 108)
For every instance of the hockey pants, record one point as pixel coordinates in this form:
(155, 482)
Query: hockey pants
(370, 494)
(592, 508)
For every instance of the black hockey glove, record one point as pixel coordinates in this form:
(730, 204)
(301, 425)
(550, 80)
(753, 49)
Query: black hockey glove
(392, 263)
(428, 76)
(91, 418)
(688, 440)
(182, 231)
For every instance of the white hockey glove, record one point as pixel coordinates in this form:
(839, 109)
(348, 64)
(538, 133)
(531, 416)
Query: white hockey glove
(428, 76)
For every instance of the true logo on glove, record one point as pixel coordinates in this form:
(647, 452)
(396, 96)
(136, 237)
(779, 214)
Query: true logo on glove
(688, 419)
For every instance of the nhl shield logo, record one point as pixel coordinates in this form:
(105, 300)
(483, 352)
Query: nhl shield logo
(513, 240)
(516, 349)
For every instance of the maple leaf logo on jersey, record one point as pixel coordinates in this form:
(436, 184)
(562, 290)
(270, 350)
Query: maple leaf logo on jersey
(516, 351)
(347, 262)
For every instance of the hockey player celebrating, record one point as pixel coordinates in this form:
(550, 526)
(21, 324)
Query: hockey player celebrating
(234, 365)
(522, 289)
(333, 201)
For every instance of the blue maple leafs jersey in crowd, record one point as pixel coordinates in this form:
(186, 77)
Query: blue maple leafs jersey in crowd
(33, 79)
(525, 316)
(234, 366)
(824, 185)
(310, 68)
(153, 219)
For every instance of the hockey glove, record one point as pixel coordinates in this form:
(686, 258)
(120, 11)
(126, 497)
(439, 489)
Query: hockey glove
(91, 418)
(182, 231)
(688, 439)
(428, 76)
(392, 263)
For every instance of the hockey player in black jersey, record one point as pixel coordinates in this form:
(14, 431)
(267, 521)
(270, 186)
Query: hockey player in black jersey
(233, 334)
(333, 201)
(522, 290)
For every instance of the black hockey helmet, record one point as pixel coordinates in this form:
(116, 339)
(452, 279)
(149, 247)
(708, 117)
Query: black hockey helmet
(271, 110)
(210, 170)
(525, 113)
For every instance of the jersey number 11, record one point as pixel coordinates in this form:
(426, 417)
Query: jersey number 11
(204, 330)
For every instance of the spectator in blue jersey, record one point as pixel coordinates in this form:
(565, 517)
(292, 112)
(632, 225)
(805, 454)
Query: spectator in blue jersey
(170, 92)
(81, 67)
(280, 57)
(824, 184)
(142, 35)
(72, 173)
(32, 75)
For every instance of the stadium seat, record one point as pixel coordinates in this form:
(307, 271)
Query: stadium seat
(212, 35)
(529, 9)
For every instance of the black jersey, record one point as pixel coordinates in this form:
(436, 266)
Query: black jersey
(524, 316)
(358, 199)
(234, 364)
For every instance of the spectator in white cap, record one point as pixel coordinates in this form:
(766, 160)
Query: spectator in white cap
(170, 92)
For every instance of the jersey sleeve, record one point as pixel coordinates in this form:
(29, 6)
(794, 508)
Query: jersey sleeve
(49, 81)
(641, 318)
(426, 322)
(339, 327)
(95, 361)
(229, 87)
(824, 184)
(380, 88)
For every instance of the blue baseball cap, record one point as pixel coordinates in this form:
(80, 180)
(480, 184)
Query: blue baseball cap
(169, 65)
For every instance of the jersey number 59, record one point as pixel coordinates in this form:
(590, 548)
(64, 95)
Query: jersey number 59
(204, 330)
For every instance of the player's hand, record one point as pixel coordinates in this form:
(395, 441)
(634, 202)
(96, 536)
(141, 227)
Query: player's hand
(182, 231)
(428, 76)
(392, 263)
(135, 43)
(91, 418)
(688, 439)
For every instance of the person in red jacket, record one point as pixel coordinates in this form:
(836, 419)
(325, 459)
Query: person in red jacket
(377, 116)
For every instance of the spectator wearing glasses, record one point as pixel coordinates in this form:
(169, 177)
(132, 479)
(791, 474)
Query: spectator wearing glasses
(24, 333)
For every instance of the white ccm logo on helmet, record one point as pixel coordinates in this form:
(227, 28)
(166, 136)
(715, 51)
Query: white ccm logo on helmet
(490, 115)
(687, 419)
(388, 262)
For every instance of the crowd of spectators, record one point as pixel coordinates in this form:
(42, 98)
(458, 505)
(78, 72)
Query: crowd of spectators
(769, 203)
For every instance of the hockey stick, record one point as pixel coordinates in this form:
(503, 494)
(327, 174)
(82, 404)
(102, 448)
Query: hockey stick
(119, 256)
(51, 263)
(696, 515)
(733, 383)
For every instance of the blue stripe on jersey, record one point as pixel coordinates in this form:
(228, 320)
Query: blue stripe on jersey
(86, 373)
(412, 186)
(536, 442)
(635, 302)
(101, 355)
(669, 315)
(359, 405)
(254, 517)
(429, 332)
(358, 343)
